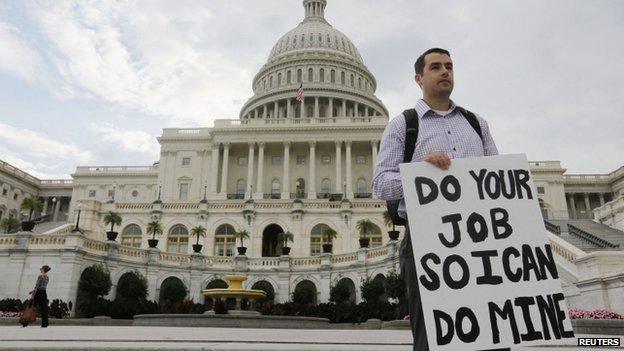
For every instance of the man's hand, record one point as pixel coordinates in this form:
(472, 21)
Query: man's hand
(439, 159)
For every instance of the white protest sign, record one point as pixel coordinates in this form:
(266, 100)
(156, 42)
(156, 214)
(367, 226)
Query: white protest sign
(486, 273)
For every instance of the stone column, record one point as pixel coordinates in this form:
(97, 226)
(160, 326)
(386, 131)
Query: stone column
(264, 111)
(330, 108)
(260, 178)
(288, 109)
(367, 112)
(45, 205)
(573, 215)
(588, 210)
(250, 163)
(286, 175)
(338, 168)
(349, 193)
(316, 107)
(344, 108)
(355, 109)
(602, 201)
(275, 109)
(214, 172)
(374, 158)
(57, 207)
(302, 108)
(224, 169)
(312, 169)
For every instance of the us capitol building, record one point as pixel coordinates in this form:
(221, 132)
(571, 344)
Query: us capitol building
(283, 165)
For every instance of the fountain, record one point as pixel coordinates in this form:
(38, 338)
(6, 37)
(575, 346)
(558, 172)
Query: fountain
(236, 318)
(235, 290)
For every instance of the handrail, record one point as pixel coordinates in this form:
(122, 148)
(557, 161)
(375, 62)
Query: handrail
(553, 228)
(600, 242)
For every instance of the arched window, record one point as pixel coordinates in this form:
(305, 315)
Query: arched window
(361, 185)
(375, 236)
(320, 38)
(322, 76)
(299, 73)
(264, 84)
(177, 241)
(326, 186)
(288, 77)
(279, 79)
(241, 185)
(310, 74)
(316, 238)
(225, 242)
(271, 82)
(333, 76)
(342, 78)
(131, 236)
(352, 80)
(275, 187)
(359, 83)
(328, 39)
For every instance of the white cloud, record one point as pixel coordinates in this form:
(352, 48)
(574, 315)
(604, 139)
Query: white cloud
(17, 56)
(40, 145)
(127, 140)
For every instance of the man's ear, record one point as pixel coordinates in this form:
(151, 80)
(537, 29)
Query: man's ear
(418, 79)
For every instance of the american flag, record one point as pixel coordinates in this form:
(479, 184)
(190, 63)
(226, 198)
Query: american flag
(299, 95)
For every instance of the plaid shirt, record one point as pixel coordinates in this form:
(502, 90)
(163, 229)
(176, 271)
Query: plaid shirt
(451, 134)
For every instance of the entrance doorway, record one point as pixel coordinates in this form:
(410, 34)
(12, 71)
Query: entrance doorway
(271, 247)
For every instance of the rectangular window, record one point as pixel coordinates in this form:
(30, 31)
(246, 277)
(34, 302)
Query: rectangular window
(91, 193)
(326, 159)
(276, 160)
(360, 160)
(315, 246)
(184, 191)
(4, 192)
(541, 190)
(242, 161)
(186, 161)
(301, 159)
(111, 194)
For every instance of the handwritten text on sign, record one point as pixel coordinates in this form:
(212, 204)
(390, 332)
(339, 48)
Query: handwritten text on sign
(486, 272)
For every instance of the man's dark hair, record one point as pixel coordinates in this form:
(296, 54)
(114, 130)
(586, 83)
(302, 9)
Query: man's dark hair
(419, 66)
(46, 268)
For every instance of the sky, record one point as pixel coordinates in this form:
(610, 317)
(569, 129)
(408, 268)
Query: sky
(95, 82)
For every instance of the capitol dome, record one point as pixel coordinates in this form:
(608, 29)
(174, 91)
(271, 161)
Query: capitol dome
(328, 66)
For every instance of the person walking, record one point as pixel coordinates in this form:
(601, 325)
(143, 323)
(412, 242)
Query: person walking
(444, 131)
(40, 296)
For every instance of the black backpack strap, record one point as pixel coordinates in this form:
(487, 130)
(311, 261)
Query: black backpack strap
(411, 133)
(472, 119)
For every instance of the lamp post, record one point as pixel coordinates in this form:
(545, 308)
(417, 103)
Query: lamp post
(53, 209)
(77, 228)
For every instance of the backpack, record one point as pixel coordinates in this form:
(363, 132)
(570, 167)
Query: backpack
(411, 135)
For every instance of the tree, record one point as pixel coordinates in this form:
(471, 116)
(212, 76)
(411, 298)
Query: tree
(372, 289)
(285, 238)
(329, 234)
(10, 224)
(198, 231)
(172, 291)
(113, 219)
(95, 282)
(132, 285)
(31, 204)
(365, 226)
(387, 220)
(154, 227)
(340, 293)
(243, 234)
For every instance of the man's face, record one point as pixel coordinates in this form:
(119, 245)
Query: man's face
(437, 77)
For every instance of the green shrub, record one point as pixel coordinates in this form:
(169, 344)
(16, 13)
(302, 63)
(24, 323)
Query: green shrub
(58, 309)
(340, 293)
(372, 290)
(132, 285)
(172, 291)
(304, 296)
(11, 305)
(95, 281)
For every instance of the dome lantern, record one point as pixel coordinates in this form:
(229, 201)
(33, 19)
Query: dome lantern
(314, 9)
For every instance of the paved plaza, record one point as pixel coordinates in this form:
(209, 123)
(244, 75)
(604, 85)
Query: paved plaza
(168, 338)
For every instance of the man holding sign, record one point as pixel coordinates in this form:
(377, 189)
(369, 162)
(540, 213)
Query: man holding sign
(443, 131)
(486, 273)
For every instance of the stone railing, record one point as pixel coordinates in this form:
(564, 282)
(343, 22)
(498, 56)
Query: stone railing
(553, 228)
(177, 259)
(95, 246)
(609, 209)
(263, 262)
(377, 252)
(148, 170)
(19, 173)
(311, 262)
(132, 253)
(57, 182)
(7, 241)
(278, 122)
(347, 258)
(46, 240)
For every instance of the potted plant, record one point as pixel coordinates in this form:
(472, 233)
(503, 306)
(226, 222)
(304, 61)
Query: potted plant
(365, 226)
(155, 228)
(327, 237)
(393, 234)
(113, 219)
(10, 224)
(285, 238)
(30, 204)
(198, 231)
(242, 235)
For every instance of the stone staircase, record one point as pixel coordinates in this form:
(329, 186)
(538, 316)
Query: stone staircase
(588, 235)
(43, 227)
